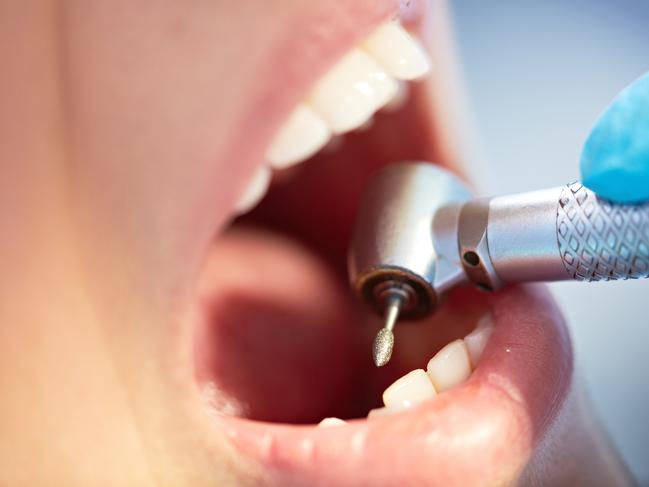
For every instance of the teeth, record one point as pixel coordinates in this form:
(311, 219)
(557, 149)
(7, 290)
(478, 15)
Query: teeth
(365, 126)
(476, 341)
(334, 144)
(450, 366)
(375, 413)
(385, 411)
(399, 99)
(411, 389)
(302, 135)
(329, 422)
(256, 190)
(352, 91)
(365, 80)
(400, 55)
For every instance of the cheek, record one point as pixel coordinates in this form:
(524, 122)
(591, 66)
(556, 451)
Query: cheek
(574, 438)
(153, 98)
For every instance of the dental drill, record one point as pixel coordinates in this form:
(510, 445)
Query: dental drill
(419, 233)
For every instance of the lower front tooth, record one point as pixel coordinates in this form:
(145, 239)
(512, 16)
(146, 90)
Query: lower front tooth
(450, 366)
(476, 341)
(411, 389)
(386, 411)
(378, 412)
(255, 191)
(329, 422)
(302, 135)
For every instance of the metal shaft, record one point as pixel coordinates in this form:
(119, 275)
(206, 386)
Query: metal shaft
(565, 233)
(419, 232)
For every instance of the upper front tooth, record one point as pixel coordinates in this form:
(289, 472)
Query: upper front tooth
(255, 191)
(399, 53)
(302, 135)
(399, 99)
(409, 390)
(352, 91)
(450, 366)
(347, 96)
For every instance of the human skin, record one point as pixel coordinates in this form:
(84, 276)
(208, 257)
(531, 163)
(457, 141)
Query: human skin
(129, 129)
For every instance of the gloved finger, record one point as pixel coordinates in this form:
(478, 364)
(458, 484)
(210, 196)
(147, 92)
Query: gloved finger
(615, 158)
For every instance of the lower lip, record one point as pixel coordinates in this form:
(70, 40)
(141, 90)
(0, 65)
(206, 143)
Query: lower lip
(495, 418)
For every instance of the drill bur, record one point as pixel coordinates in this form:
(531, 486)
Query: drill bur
(384, 341)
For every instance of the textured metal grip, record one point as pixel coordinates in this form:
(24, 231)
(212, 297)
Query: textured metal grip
(599, 240)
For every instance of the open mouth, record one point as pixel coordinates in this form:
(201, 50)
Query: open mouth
(282, 344)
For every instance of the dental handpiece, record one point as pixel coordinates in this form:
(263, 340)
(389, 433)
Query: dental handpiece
(419, 233)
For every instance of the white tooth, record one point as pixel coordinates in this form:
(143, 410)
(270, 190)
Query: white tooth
(375, 413)
(399, 99)
(476, 341)
(411, 389)
(334, 144)
(255, 191)
(352, 91)
(302, 135)
(385, 411)
(398, 52)
(450, 366)
(329, 422)
(365, 126)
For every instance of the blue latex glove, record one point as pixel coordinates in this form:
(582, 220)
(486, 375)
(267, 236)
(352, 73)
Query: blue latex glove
(615, 158)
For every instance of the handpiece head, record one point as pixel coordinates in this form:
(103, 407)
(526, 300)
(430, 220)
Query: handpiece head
(418, 234)
(405, 241)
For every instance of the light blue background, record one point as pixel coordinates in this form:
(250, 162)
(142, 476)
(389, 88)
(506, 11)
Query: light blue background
(538, 74)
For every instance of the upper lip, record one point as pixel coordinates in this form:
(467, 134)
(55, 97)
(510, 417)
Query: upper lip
(494, 419)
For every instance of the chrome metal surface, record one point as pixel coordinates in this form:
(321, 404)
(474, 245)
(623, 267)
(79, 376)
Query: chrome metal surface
(599, 240)
(397, 235)
(473, 245)
(566, 233)
(522, 237)
(418, 233)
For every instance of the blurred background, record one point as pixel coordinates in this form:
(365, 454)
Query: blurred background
(538, 74)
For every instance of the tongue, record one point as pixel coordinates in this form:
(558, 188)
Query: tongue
(277, 334)
(281, 338)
